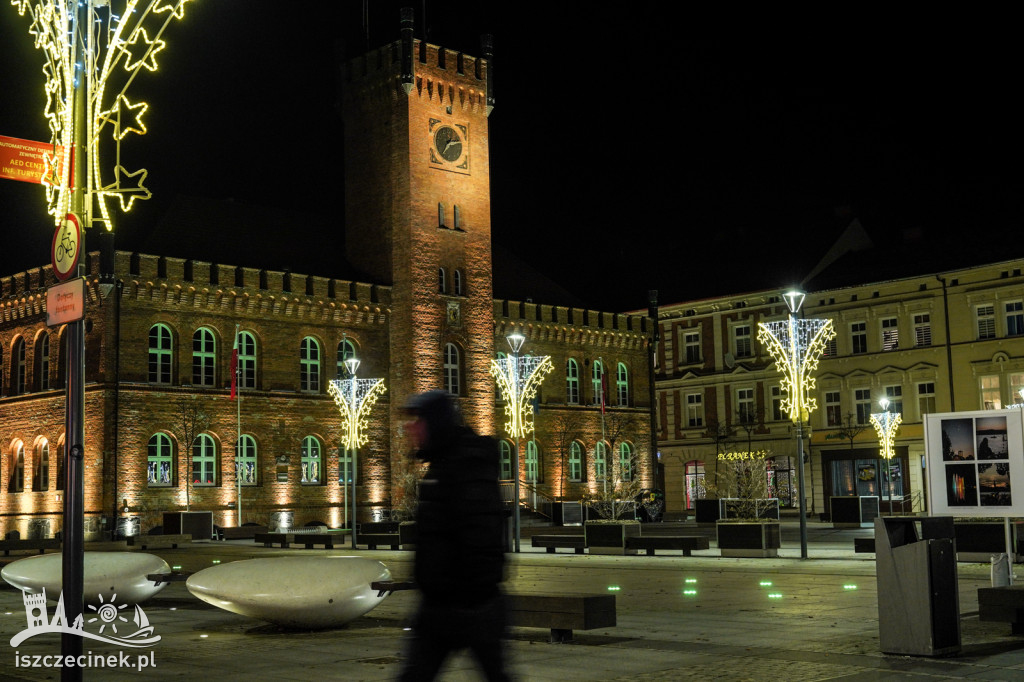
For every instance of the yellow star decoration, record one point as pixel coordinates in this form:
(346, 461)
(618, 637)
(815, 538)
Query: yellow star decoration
(22, 6)
(127, 197)
(51, 172)
(148, 59)
(117, 116)
(176, 7)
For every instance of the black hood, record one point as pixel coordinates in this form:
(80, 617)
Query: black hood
(444, 423)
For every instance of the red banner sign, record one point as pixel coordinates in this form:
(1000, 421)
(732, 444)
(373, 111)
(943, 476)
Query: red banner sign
(26, 160)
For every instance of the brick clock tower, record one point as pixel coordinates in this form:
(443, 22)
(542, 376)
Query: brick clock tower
(418, 215)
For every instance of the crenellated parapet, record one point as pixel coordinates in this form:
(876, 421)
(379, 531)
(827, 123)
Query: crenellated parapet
(570, 326)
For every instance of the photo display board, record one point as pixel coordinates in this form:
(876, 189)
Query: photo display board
(975, 463)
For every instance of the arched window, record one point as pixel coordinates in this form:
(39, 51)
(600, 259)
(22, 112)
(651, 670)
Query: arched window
(161, 351)
(575, 462)
(346, 350)
(18, 367)
(457, 282)
(597, 382)
(17, 482)
(600, 460)
(442, 284)
(309, 365)
(622, 385)
(42, 363)
(626, 461)
(572, 382)
(41, 468)
(532, 461)
(204, 460)
(160, 461)
(345, 465)
(312, 463)
(246, 360)
(246, 462)
(506, 461)
(451, 368)
(204, 357)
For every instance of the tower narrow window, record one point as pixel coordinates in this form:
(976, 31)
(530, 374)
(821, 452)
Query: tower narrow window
(309, 365)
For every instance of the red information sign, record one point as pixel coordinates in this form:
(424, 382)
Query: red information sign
(65, 302)
(25, 160)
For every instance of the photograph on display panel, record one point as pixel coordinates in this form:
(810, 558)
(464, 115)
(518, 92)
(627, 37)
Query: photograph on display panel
(972, 459)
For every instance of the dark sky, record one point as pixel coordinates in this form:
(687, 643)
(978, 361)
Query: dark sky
(625, 155)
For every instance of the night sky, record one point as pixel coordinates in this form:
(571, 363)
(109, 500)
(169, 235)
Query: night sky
(624, 156)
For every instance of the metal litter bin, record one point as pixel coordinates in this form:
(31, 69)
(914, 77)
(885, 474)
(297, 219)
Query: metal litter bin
(918, 598)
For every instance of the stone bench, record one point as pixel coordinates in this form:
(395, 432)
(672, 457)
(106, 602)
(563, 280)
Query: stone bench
(551, 542)
(238, 532)
(40, 544)
(1003, 605)
(158, 541)
(328, 540)
(270, 539)
(371, 540)
(650, 543)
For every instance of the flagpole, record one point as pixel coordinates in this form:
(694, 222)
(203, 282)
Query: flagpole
(237, 395)
(603, 437)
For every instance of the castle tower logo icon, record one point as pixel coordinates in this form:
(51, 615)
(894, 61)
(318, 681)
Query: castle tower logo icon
(108, 616)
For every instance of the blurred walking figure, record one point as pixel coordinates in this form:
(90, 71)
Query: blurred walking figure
(459, 554)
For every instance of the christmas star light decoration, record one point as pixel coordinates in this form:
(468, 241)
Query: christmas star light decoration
(518, 379)
(121, 40)
(355, 399)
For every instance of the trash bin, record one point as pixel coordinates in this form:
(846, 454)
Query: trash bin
(918, 598)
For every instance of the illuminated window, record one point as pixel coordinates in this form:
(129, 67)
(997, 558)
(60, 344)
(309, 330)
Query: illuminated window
(991, 397)
(862, 401)
(691, 346)
(204, 356)
(506, 460)
(695, 409)
(986, 321)
(890, 334)
(745, 405)
(346, 350)
(42, 363)
(246, 360)
(309, 365)
(345, 461)
(18, 367)
(859, 337)
(41, 469)
(922, 330)
(1016, 384)
(442, 284)
(457, 282)
(831, 349)
(894, 394)
(160, 461)
(311, 460)
(597, 382)
(247, 463)
(532, 462)
(833, 409)
(451, 369)
(925, 399)
(575, 462)
(600, 460)
(622, 384)
(204, 461)
(161, 353)
(742, 346)
(572, 382)
(17, 483)
(1014, 318)
(626, 461)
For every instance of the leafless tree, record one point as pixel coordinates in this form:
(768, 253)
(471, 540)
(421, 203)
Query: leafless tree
(192, 420)
(565, 429)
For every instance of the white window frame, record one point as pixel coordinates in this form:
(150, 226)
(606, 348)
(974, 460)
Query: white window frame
(452, 367)
(312, 454)
(246, 454)
(833, 399)
(990, 392)
(575, 462)
(694, 410)
(204, 357)
(925, 398)
(858, 337)
(922, 330)
(743, 344)
(600, 460)
(246, 360)
(309, 365)
(626, 461)
(572, 382)
(894, 394)
(204, 461)
(161, 354)
(1014, 317)
(691, 347)
(622, 384)
(986, 321)
(160, 461)
(862, 405)
(890, 333)
(746, 405)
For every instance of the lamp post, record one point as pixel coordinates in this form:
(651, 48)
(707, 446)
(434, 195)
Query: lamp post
(518, 380)
(355, 398)
(886, 424)
(797, 346)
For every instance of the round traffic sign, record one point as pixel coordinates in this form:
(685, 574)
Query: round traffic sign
(66, 247)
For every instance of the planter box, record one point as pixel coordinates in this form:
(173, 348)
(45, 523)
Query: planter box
(567, 513)
(198, 524)
(767, 508)
(758, 539)
(709, 511)
(853, 511)
(609, 538)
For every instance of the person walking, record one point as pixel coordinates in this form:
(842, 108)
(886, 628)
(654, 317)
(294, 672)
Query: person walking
(460, 557)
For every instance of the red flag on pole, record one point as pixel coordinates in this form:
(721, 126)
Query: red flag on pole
(234, 366)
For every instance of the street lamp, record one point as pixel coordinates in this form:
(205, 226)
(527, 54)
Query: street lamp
(797, 346)
(355, 398)
(886, 424)
(518, 380)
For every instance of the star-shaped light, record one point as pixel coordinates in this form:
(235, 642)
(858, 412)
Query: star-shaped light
(21, 5)
(175, 7)
(127, 197)
(123, 124)
(148, 58)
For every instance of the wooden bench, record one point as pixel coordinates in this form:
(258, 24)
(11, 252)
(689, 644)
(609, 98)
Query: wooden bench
(550, 542)
(238, 532)
(864, 545)
(559, 613)
(158, 541)
(1003, 605)
(686, 543)
(41, 544)
(371, 540)
(269, 539)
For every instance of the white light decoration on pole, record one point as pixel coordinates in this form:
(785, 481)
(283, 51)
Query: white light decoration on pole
(797, 346)
(518, 380)
(886, 424)
(355, 398)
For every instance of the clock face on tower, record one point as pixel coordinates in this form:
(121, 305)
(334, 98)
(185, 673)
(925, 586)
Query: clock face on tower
(449, 146)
